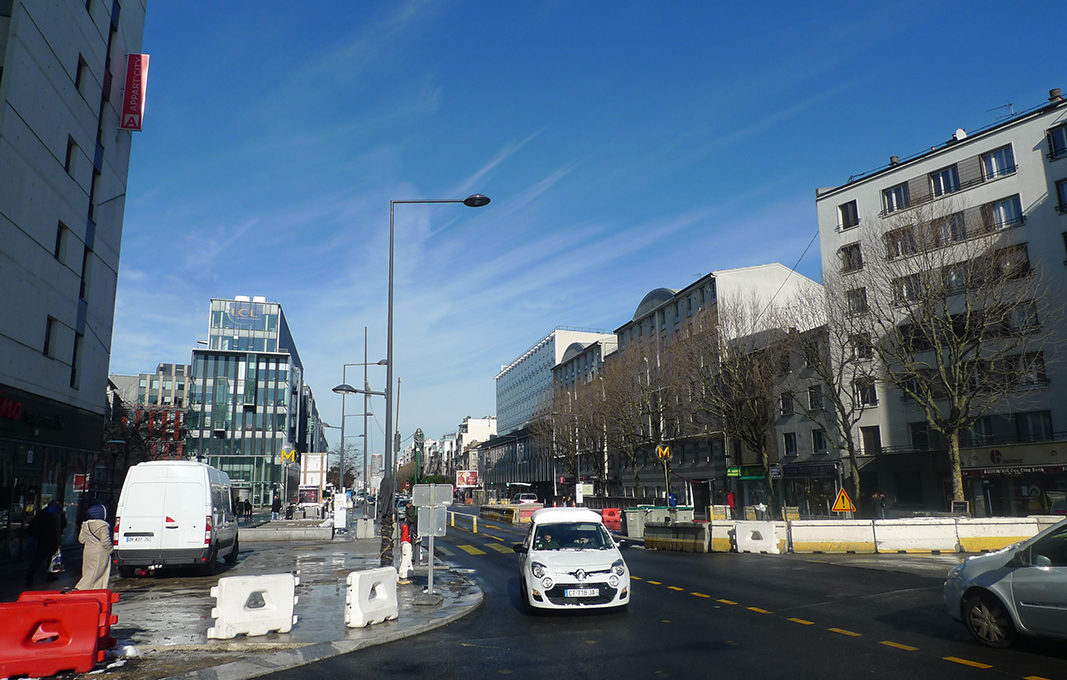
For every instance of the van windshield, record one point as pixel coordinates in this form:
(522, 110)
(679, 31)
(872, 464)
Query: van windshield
(572, 536)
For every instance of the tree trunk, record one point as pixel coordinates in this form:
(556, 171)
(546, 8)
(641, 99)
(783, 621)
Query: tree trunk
(954, 465)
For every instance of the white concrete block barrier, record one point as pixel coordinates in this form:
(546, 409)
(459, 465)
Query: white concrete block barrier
(832, 536)
(253, 605)
(760, 537)
(993, 533)
(916, 535)
(722, 533)
(371, 597)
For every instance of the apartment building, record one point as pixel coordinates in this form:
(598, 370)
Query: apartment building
(64, 162)
(1006, 183)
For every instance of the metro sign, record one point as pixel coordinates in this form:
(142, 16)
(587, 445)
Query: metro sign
(133, 96)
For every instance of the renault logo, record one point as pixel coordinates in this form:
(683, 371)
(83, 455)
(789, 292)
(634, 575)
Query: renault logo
(580, 575)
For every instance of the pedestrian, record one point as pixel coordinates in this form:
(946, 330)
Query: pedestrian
(248, 508)
(95, 535)
(46, 528)
(730, 502)
(276, 507)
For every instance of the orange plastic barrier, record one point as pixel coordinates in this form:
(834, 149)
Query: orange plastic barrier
(39, 639)
(105, 598)
(612, 518)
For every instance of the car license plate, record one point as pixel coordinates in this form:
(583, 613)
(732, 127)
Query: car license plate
(581, 592)
(138, 539)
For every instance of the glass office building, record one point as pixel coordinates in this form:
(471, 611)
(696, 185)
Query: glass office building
(248, 405)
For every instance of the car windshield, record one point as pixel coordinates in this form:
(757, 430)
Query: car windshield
(571, 536)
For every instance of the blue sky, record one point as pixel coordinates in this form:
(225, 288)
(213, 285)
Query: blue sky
(625, 145)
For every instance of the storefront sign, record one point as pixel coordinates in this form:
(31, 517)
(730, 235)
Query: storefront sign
(810, 470)
(1015, 470)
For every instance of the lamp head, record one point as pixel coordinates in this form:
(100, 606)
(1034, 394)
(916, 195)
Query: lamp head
(345, 389)
(476, 201)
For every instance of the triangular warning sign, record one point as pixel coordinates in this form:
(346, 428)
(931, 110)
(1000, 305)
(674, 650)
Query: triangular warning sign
(843, 503)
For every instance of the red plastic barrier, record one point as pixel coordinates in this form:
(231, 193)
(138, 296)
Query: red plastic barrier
(612, 518)
(105, 598)
(39, 639)
(405, 533)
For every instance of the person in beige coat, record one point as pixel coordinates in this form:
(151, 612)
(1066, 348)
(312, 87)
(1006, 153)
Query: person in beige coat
(96, 557)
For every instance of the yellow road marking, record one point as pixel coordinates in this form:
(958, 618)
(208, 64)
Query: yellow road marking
(726, 601)
(500, 548)
(674, 588)
(803, 622)
(665, 621)
(443, 550)
(696, 594)
(470, 549)
(635, 578)
(842, 631)
(966, 662)
(590, 642)
(897, 645)
(757, 610)
(655, 583)
(492, 536)
(1034, 677)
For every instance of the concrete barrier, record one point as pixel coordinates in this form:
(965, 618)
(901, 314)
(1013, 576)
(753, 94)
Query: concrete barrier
(832, 536)
(293, 532)
(1045, 521)
(761, 537)
(993, 533)
(688, 537)
(722, 535)
(716, 512)
(916, 535)
(500, 513)
(365, 528)
(253, 605)
(371, 597)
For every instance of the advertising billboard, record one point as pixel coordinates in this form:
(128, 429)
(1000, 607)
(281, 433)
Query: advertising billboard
(133, 95)
(466, 479)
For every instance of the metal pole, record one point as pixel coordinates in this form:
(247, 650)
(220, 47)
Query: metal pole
(366, 409)
(341, 449)
(386, 558)
(429, 572)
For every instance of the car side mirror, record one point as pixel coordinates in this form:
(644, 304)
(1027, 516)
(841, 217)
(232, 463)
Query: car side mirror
(621, 543)
(1041, 561)
(519, 548)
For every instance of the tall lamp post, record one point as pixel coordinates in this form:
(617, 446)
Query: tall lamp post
(472, 201)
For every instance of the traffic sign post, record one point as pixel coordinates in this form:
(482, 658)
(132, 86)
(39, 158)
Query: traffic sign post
(432, 501)
(664, 454)
(843, 503)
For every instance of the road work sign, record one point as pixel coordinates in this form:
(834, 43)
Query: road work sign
(843, 503)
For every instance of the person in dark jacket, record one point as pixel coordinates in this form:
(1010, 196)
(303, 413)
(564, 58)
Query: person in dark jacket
(276, 507)
(46, 529)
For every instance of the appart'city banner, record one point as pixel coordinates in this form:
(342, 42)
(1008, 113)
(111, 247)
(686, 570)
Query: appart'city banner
(133, 96)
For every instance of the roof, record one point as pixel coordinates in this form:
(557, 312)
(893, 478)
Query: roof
(553, 515)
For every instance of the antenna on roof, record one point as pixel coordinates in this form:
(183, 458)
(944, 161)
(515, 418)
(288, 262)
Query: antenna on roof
(1009, 106)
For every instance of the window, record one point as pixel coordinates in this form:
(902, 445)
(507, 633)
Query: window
(900, 243)
(872, 440)
(1057, 142)
(998, 162)
(75, 356)
(61, 239)
(818, 441)
(815, 397)
(895, 198)
(81, 76)
(861, 346)
(49, 337)
(945, 181)
(1061, 195)
(864, 392)
(923, 438)
(1006, 212)
(906, 288)
(851, 259)
(787, 403)
(954, 277)
(848, 215)
(857, 301)
(1033, 426)
(1029, 369)
(1023, 317)
(1012, 262)
(949, 229)
(790, 443)
(68, 161)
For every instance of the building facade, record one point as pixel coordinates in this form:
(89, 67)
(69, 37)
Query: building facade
(64, 163)
(250, 413)
(1007, 182)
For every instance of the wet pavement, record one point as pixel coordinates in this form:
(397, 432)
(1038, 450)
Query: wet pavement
(163, 618)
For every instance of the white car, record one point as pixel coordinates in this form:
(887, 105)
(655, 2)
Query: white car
(524, 498)
(570, 561)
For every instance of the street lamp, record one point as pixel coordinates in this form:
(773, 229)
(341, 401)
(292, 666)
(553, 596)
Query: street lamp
(472, 201)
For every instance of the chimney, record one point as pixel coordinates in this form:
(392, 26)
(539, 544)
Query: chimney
(894, 160)
(1054, 95)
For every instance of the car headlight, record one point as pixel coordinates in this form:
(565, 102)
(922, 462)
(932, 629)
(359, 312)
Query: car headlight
(619, 567)
(538, 569)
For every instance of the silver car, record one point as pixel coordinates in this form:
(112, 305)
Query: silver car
(1021, 589)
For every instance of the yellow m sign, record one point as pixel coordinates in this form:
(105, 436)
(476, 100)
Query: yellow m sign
(663, 452)
(288, 455)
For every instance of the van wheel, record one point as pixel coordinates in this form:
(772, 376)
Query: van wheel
(231, 558)
(211, 567)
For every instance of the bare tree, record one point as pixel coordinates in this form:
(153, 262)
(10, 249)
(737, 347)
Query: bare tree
(956, 314)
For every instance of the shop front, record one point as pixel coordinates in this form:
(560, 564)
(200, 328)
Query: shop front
(811, 487)
(1015, 481)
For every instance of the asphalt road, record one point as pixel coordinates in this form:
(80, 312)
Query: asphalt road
(697, 616)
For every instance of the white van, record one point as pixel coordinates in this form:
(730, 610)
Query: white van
(174, 513)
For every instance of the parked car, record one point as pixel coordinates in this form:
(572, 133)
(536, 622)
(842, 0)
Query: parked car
(1021, 589)
(175, 512)
(524, 498)
(569, 561)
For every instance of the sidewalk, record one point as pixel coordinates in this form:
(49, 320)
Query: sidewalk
(165, 618)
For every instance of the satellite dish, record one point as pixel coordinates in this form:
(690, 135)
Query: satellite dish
(960, 134)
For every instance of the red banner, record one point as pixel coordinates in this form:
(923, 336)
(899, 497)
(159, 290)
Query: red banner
(133, 96)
